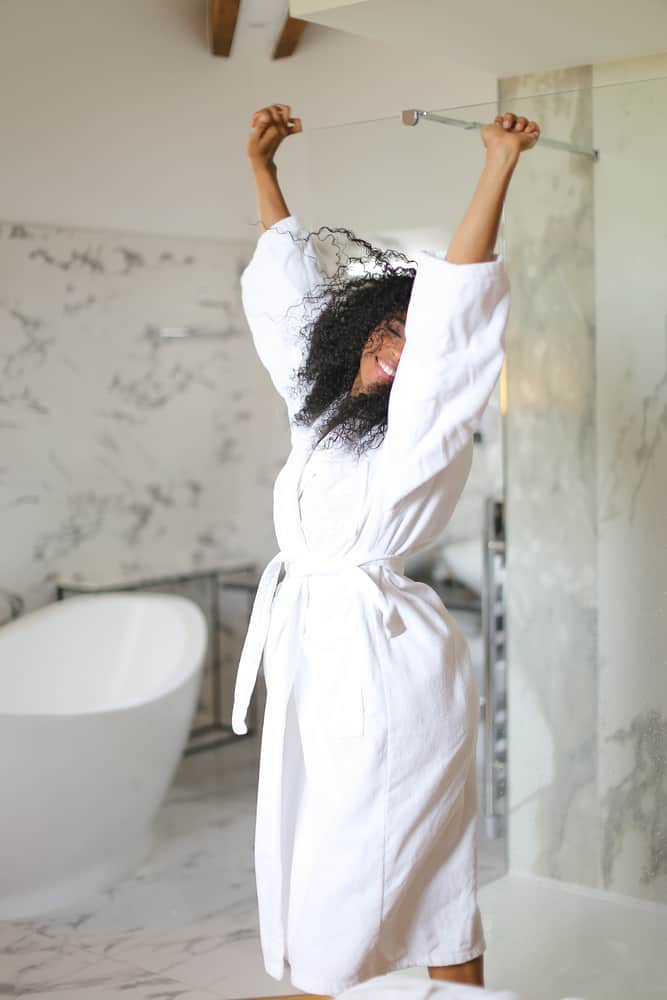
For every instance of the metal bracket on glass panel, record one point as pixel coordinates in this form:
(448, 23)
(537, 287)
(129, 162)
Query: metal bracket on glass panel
(412, 116)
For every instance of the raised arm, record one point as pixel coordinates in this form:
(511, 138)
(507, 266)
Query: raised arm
(505, 139)
(284, 267)
(454, 336)
(271, 205)
(270, 126)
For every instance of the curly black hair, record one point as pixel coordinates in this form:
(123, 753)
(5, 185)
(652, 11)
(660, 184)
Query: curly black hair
(348, 310)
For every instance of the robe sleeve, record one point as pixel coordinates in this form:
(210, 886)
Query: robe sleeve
(451, 361)
(280, 273)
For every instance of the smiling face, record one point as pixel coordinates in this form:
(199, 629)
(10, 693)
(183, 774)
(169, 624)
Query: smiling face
(380, 356)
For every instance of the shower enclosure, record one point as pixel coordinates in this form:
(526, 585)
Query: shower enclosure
(570, 459)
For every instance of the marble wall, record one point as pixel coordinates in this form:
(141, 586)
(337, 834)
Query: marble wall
(585, 472)
(631, 401)
(550, 488)
(124, 455)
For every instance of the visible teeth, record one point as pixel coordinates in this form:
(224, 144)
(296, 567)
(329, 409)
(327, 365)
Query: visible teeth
(386, 368)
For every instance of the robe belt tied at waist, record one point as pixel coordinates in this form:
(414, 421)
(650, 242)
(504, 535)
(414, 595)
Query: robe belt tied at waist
(303, 565)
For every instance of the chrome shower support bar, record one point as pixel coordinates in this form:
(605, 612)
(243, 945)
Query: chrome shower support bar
(412, 116)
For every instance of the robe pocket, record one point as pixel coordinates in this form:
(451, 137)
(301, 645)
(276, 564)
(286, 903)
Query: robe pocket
(339, 686)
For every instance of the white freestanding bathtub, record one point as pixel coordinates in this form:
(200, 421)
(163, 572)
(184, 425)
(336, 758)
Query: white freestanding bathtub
(97, 696)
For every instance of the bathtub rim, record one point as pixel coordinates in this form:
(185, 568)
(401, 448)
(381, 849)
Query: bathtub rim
(189, 664)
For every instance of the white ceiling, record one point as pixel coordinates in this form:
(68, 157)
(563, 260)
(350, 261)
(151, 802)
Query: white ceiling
(505, 39)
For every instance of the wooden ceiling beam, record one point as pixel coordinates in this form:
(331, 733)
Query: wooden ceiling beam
(222, 18)
(290, 36)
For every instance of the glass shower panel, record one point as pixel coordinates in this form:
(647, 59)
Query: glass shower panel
(585, 475)
(407, 186)
(404, 187)
(572, 451)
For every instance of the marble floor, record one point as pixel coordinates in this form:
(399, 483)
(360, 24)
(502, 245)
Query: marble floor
(184, 926)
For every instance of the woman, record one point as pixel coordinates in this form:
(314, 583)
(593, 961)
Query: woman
(365, 839)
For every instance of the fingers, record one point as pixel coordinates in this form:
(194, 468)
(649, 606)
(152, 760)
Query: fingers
(277, 115)
(515, 123)
(267, 117)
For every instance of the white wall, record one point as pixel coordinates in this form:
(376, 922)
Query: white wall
(480, 34)
(115, 115)
(125, 201)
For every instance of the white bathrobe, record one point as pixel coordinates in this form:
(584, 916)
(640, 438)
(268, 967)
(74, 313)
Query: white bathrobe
(365, 839)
